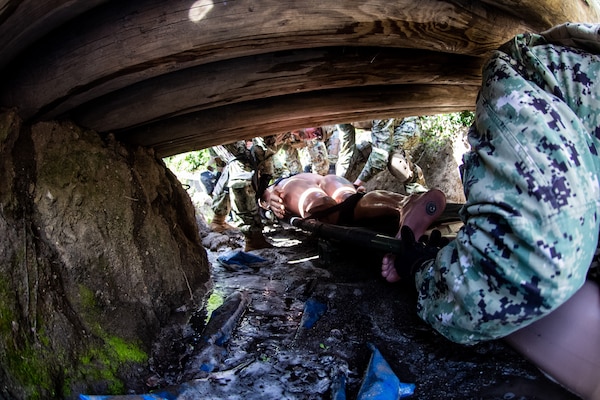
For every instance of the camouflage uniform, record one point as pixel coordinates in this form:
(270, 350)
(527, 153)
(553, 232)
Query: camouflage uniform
(388, 135)
(347, 138)
(532, 187)
(333, 150)
(318, 156)
(236, 187)
(289, 148)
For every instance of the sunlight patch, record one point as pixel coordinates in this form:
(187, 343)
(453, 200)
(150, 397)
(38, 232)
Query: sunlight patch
(200, 9)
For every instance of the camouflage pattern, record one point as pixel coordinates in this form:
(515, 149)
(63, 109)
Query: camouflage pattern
(263, 150)
(333, 148)
(292, 159)
(318, 156)
(238, 193)
(289, 144)
(221, 203)
(347, 138)
(532, 187)
(387, 135)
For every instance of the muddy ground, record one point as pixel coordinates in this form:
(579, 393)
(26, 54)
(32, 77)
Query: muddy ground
(269, 355)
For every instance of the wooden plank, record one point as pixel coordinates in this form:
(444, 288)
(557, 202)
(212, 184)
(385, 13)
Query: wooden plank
(25, 21)
(551, 12)
(271, 75)
(127, 42)
(275, 115)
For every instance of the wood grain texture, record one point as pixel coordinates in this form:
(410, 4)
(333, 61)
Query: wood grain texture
(272, 75)
(25, 21)
(149, 70)
(123, 44)
(207, 128)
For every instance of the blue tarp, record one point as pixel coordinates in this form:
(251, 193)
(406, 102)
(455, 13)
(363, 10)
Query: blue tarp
(313, 310)
(239, 258)
(380, 382)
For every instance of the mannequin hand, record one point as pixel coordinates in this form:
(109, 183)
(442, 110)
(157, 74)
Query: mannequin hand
(359, 185)
(275, 204)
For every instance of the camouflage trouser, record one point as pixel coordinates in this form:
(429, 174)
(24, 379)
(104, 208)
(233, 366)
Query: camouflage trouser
(244, 206)
(318, 156)
(221, 203)
(532, 188)
(238, 196)
(347, 136)
(387, 135)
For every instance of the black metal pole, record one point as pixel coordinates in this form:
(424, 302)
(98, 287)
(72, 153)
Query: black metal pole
(350, 235)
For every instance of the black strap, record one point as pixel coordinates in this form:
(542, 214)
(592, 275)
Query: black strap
(346, 209)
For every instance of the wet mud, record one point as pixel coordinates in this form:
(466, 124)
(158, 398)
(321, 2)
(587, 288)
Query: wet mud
(269, 352)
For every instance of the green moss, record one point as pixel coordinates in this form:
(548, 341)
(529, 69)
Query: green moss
(41, 370)
(103, 363)
(27, 359)
(6, 311)
(127, 352)
(30, 367)
(215, 301)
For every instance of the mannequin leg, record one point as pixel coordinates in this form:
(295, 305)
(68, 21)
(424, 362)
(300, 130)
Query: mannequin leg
(566, 343)
(417, 211)
(418, 214)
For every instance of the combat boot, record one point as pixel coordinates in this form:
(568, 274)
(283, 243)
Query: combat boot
(256, 241)
(219, 225)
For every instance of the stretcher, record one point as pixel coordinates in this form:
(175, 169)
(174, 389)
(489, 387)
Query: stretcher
(363, 237)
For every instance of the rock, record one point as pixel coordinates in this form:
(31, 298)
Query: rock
(99, 247)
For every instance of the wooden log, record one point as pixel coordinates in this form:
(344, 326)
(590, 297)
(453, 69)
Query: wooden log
(272, 75)
(23, 22)
(548, 13)
(207, 128)
(125, 43)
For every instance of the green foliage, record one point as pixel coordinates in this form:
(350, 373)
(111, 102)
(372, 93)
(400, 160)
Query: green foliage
(189, 162)
(437, 130)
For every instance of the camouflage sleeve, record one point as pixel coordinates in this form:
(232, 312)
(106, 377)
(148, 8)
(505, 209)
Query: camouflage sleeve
(404, 129)
(318, 156)
(530, 229)
(263, 150)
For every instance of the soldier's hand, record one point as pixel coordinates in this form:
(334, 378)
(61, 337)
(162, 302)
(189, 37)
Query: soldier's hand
(435, 240)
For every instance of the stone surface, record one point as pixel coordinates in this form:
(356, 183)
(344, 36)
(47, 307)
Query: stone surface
(99, 249)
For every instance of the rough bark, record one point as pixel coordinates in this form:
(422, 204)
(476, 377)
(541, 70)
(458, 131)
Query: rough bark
(114, 66)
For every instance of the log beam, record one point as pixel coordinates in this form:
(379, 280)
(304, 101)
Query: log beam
(273, 75)
(156, 67)
(124, 43)
(207, 128)
(22, 22)
(548, 13)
